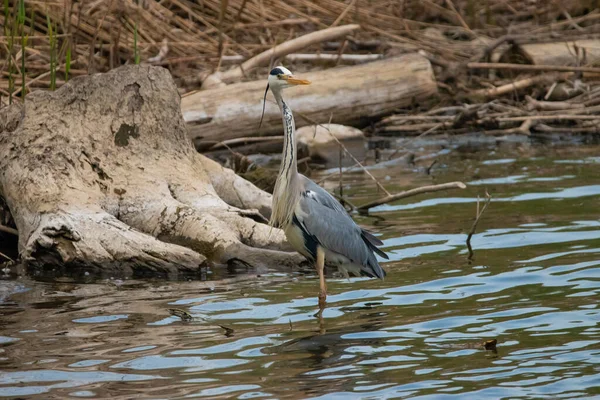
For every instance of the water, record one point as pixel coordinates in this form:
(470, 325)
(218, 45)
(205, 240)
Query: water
(532, 284)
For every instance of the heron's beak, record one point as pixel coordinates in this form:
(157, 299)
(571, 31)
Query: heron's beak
(292, 80)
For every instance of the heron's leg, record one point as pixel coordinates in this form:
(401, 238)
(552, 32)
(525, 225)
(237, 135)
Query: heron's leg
(321, 272)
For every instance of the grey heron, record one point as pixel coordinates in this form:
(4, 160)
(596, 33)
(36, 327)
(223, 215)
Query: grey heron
(314, 222)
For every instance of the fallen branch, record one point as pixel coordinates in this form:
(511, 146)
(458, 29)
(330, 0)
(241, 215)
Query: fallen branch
(487, 52)
(412, 192)
(533, 104)
(517, 85)
(6, 257)
(523, 129)
(226, 143)
(9, 230)
(351, 58)
(560, 117)
(219, 78)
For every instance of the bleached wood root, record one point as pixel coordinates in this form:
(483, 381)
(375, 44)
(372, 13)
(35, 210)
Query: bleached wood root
(100, 174)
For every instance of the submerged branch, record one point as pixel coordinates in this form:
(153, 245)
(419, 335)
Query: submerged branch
(408, 193)
(478, 215)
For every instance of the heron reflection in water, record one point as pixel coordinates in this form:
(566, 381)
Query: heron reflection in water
(314, 222)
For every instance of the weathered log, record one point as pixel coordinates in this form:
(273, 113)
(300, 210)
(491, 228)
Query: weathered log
(555, 53)
(100, 174)
(348, 95)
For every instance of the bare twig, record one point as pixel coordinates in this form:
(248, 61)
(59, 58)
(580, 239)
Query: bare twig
(487, 53)
(343, 14)
(412, 192)
(379, 185)
(458, 16)
(478, 215)
(162, 52)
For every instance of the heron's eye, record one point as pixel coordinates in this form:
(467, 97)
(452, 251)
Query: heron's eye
(280, 76)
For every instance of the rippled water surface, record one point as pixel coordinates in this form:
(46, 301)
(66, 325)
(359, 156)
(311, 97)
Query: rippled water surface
(532, 284)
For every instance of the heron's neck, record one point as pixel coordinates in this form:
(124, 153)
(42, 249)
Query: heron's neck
(288, 168)
(285, 193)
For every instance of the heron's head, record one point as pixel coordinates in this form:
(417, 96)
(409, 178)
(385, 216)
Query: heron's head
(281, 78)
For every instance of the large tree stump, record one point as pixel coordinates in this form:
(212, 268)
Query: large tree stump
(346, 95)
(101, 174)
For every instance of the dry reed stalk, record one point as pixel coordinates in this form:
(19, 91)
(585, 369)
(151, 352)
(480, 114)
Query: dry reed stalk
(197, 31)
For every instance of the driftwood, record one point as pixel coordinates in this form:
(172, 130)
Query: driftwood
(100, 174)
(348, 95)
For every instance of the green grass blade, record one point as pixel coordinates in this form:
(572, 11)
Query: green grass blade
(23, 45)
(11, 44)
(6, 16)
(67, 62)
(21, 13)
(136, 53)
(52, 40)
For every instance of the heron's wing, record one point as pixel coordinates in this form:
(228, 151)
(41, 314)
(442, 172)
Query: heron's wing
(322, 217)
(322, 196)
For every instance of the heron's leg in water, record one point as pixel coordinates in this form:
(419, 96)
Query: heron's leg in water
(321, 272)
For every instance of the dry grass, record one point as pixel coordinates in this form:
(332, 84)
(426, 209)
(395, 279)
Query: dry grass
(195, 38)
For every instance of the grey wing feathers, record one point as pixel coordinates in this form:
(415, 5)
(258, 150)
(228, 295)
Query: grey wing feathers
(328, 222)
(321, 195)
(372, 242)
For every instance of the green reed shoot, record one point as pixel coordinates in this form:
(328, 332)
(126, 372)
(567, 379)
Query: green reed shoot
(21, 18)
(6, 15)
(52, 40)
(67, 62)
(136, 52)
(10, 34)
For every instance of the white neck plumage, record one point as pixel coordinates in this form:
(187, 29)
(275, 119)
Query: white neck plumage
(285, 194)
